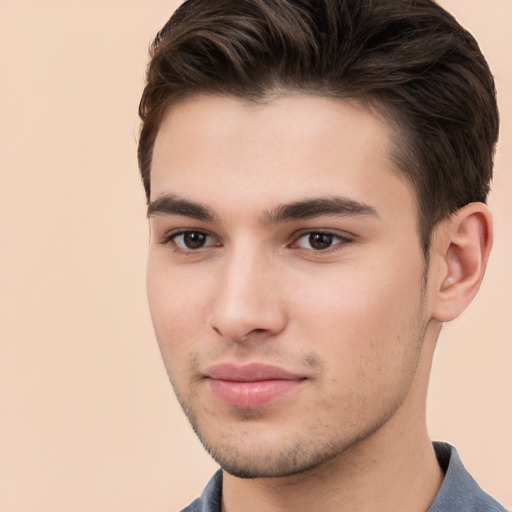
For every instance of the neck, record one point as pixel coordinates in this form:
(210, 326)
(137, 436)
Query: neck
(403, 477)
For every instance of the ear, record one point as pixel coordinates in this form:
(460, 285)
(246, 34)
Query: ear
(461, 247)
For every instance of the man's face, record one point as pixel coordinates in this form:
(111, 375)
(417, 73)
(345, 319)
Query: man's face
(285, 279)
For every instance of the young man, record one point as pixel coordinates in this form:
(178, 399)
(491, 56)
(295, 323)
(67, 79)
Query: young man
(316, 174)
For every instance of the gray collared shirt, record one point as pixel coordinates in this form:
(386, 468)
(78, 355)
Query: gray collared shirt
(458, 493)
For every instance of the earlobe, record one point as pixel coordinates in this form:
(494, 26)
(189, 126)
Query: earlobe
(462, 245)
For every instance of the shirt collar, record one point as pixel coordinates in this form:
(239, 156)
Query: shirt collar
(458, 492)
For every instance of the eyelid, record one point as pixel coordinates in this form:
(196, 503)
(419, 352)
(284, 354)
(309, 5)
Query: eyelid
(170, 237)
(339, 239)
(342, 239)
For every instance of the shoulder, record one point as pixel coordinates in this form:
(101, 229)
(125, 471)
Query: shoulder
(459, 491)
(210, 500)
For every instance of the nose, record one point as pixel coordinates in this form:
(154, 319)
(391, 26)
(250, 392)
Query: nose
(248, 301)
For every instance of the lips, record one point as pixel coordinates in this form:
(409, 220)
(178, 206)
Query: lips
(251, 386)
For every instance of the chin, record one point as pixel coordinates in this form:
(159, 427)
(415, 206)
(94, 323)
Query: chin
(271, 466)
(273, 459)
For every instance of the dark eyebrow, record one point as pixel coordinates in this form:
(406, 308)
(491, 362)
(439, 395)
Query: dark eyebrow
(173, 205)
(318, 207)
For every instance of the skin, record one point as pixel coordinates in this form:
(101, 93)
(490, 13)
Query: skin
(235, 277)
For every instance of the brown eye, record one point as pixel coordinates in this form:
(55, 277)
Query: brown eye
(320, 241)
(192, 240)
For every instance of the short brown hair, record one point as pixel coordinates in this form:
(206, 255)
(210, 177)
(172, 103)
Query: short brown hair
(408, 59)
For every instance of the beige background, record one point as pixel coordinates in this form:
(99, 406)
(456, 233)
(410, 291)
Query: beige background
(88, 422)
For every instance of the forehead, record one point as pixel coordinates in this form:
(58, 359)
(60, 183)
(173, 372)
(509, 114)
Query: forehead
(285, 147)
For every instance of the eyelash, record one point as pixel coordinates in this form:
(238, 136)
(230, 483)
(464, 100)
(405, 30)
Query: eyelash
(336, 240)
(170, 240)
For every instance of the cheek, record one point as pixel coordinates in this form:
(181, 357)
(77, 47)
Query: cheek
(179, 309)
(363, 321)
